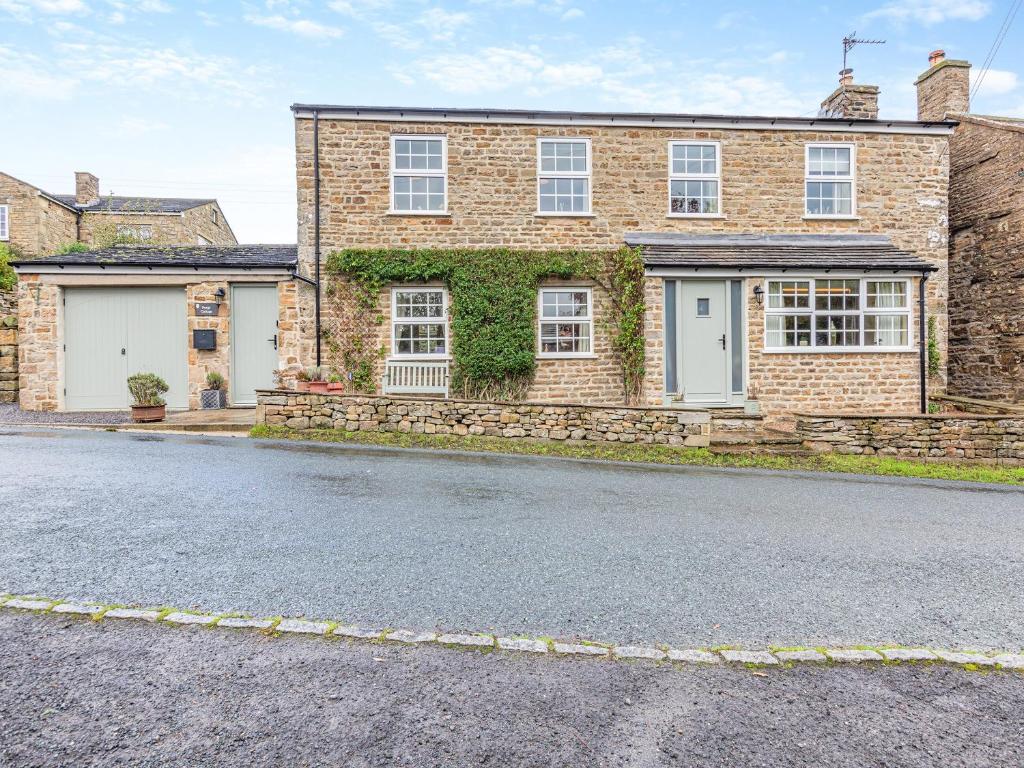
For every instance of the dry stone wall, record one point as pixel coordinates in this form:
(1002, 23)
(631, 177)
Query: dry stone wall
(995, 439)
(354, 413)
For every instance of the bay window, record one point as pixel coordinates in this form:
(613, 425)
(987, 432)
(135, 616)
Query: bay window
(838, 314)
(419, 322)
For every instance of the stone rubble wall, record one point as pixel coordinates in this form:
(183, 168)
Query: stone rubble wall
(977, 437)
(8, 347)
(596, 423)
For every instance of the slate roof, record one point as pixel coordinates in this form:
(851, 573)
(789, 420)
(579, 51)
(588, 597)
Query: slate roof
(120, 204)
(198, 256)
(859, 252)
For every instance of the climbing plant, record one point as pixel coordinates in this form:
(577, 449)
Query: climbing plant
(934, 356)
(493, 314)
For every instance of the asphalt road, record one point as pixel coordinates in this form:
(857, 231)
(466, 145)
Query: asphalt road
(77, 693)
(685, 556)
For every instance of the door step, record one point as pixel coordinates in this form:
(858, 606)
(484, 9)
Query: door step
(762, 442)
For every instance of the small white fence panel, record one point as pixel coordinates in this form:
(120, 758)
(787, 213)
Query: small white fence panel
(410, 376)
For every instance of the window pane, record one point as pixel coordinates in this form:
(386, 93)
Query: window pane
(694, 196)
(569, 195)
(420, 338)
(829, 161)
(886, 330)
(837, 295)
(886, 294)
(555, 303)
(837, 330)
(419, 304)
(788, 330)
(565, 337)
(789, 294)
(829, 198)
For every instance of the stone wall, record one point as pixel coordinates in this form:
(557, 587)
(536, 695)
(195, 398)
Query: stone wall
(8, 347)
(986, 308)
(199, 221)
(995, 439)
(902, 185)
(304, 411)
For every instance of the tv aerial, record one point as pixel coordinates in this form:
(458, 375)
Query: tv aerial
(852, 40)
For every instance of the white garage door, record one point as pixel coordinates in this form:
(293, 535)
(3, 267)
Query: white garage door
(111, 333)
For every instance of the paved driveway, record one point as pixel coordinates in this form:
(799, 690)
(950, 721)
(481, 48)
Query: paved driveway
(411, 539)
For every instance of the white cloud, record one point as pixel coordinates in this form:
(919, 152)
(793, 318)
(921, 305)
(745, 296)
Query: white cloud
(24, 74)
(23, 9)
(996, 83)
(441, 24)
(572, 13)
(929, 12)
(133, 127)
(302, 27)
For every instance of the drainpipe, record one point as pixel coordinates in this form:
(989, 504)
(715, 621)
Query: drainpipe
(316, 224)
(923, 358)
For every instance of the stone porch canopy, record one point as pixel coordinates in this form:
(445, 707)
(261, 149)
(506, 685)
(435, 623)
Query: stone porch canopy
(860, 253)
(200, 258)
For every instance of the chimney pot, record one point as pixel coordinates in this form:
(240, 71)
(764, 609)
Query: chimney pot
(935, 57)
(846, 76)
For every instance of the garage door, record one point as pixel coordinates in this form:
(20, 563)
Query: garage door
(111, 333)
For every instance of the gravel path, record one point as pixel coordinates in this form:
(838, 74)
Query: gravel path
(381, 537)
(78, 693)
(10, 413)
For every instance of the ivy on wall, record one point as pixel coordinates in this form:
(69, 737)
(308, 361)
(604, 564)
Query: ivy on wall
(493, 310)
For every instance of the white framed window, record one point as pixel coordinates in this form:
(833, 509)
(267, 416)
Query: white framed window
(200, 240)
(419, 174)
(213, 215)
(419, 322)
(135, 231)
(694, 178)
(830, 176)
(563, 177)
(838, 314)
(5, 222)
(565, 319)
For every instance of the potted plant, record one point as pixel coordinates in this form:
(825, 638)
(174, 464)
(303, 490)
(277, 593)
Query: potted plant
(752, 406)
(317, 379)
(335, 383)
(146, 390)
(302, 381)
(214, 396)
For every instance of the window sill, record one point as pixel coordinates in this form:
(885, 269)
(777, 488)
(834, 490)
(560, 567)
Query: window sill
(567, 356)
(695, 215)
(435, 214)
(836, 350)
(821, 217)
(564, 215)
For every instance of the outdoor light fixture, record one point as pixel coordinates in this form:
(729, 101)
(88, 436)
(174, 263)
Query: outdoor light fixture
(219, 295)
(759, 294)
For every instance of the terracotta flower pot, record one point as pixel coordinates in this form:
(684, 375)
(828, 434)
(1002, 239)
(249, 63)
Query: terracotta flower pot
(335, 386)
(319, 387)
(143, 414)
(302, 386)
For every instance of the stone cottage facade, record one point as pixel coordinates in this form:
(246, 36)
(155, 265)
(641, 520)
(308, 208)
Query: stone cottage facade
(986, 221)
(784, 256)
(34, 222)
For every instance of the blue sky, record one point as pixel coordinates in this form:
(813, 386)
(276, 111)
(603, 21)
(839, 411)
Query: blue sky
(191, 98)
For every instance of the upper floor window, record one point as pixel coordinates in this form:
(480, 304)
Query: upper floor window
(213, 215)
(135, 231)
(5, 227)
(419, 174)
(565, 322)
(829, 180)
(419, 322)
(694, 179)
(838, 314)
(563, 177)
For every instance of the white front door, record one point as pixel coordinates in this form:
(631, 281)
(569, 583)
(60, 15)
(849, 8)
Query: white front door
(703, 324)
(112, 333)
(254, 341)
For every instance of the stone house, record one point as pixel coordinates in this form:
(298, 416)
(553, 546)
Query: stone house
(34, 222)
(986, 247)
(791, 260)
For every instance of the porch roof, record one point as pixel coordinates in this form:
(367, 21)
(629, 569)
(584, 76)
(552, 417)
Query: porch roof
(172, 256)
(806, 252)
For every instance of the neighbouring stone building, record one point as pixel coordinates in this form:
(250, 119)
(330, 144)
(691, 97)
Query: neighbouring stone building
(784, 256)
(986, 222)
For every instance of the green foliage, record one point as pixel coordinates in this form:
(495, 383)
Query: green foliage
(493, 309)
(934, 356)
(8, 277)
(73, 247)
(147, 388)
(214, 380)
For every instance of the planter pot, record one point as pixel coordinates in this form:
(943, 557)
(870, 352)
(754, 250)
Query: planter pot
(319, 387)
(143, 414)
(752, 407)
(335, 387)
(302, 386)
(213, 398)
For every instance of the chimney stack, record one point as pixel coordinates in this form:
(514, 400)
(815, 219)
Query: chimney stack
(944, 90)
(857, 102)
(87, 188)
